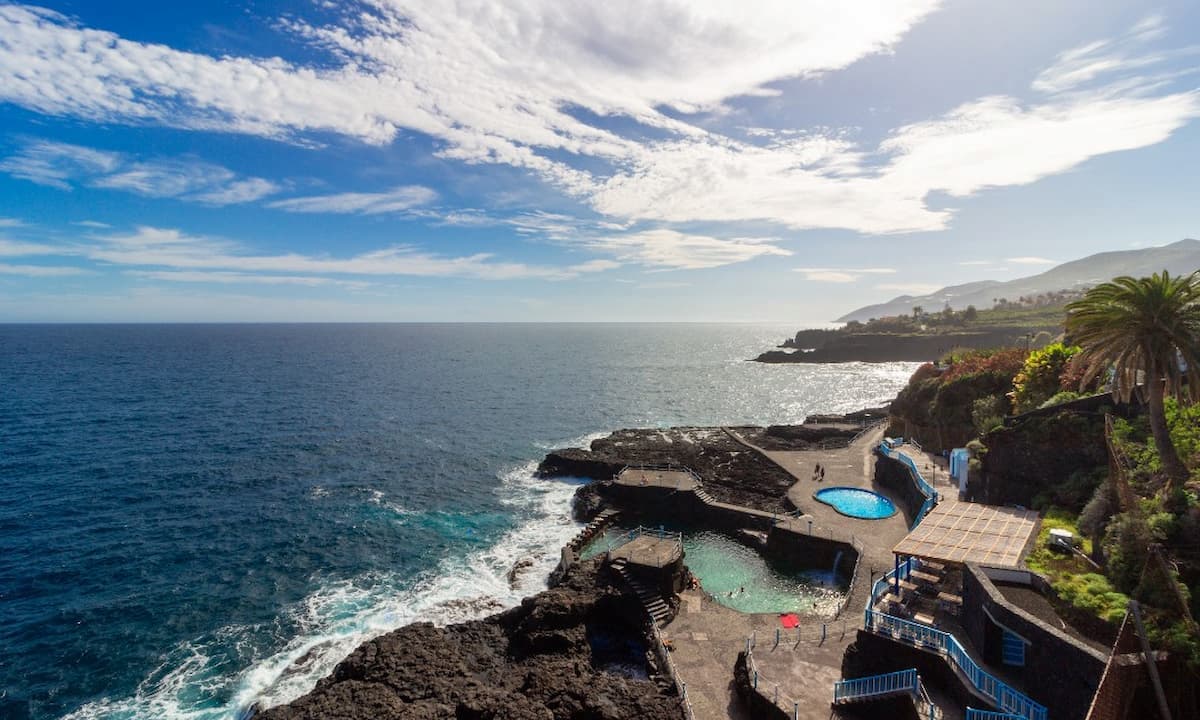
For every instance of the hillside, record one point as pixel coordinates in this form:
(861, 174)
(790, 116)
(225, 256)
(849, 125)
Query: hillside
(1179, 257)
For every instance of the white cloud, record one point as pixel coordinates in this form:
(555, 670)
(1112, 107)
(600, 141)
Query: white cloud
(474, 75)
(669, 249)
(228, 278)
(910, 288)
(10, 222)
(12, 248)
(974, 263)
(1030, 260)
(841, 275)
(40, 271)
(1084, 64)
(397, 199)
(592, 266)
(62, 165)
(95, 224)
(151, 247)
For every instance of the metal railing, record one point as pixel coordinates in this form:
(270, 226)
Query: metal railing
(672, 671)
(923, 636)
(901, 681)
(660, 467)
(780, 700)
(977, 714)
(931, 495)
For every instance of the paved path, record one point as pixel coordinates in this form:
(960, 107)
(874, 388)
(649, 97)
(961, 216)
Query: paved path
(806, 671)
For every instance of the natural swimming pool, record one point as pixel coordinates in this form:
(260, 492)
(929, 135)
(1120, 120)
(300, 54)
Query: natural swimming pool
(740, 578)
(857, 503)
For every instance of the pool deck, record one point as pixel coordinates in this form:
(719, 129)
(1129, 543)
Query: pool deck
(852, 466)
(707, 636)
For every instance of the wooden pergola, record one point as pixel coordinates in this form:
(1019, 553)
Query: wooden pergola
(962, 532)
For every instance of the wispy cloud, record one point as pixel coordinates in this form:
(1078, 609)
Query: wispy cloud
(170, 249)
(40, 271)
(841, 275)
(65, 166)
(672, 250)
(240, 278)
(10, 222)
(395, 200)
(12, 248)
(1031, 260)
(473, 76)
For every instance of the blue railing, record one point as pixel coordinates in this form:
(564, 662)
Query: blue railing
(923, 636)
(901, 681)
(977, 714)
(931, 495)
(881, 585)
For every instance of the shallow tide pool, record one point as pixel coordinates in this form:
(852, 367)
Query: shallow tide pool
(740, 578)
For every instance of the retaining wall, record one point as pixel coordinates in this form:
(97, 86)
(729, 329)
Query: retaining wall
(1060, 672)
(895, 475)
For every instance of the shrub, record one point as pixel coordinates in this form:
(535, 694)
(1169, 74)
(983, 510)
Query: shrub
(1039, 377)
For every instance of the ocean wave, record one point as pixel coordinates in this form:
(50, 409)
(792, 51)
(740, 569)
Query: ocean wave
(337, 618)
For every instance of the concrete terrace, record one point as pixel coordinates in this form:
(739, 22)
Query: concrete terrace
(852, 466)
(706, 637)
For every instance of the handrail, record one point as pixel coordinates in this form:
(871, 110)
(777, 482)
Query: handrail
(945, 644)
(931, 495)
(680, 685)
(875, 685)
(667, 467)
(977, 714)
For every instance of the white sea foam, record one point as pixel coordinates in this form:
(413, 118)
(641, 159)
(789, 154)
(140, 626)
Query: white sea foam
(337, 618)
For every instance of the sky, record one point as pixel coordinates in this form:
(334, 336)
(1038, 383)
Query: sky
(554, 160)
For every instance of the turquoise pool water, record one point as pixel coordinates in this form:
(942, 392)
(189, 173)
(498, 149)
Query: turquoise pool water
(856, 502)
(740, 578)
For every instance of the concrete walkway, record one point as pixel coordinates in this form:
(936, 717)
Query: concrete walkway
(707, 636)
(852, 466)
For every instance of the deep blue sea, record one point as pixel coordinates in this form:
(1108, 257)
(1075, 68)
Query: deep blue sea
(194, 518)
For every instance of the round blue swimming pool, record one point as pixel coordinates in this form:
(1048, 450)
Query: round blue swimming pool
(856, 502)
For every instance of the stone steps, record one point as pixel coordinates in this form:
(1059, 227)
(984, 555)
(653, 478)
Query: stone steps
(652, 601)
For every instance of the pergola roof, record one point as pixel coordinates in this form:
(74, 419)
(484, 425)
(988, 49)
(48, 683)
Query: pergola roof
(963, 532)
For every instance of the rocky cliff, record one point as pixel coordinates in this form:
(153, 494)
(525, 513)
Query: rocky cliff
(574, 652)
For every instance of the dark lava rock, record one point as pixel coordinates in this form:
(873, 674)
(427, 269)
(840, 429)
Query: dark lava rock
(533, 662)
(730, 471)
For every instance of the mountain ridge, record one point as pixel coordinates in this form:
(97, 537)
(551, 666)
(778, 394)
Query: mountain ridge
(1182, 256)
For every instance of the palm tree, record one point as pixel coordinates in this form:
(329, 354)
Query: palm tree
(1148, 330)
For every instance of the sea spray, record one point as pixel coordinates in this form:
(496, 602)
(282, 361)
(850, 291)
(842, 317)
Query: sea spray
(337, 618)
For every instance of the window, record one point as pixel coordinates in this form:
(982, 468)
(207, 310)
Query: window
(1012, 649)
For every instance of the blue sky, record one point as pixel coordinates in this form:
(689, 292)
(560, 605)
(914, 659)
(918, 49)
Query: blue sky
(555, 160)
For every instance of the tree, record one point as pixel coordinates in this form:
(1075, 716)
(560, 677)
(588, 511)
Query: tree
(1148, 331)
(970, 314)
(918, 311)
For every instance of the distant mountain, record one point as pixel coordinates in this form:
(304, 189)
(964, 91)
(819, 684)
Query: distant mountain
(1180, 257)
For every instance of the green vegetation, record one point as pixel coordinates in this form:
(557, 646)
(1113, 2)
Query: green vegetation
(1140, 527)
(1141, 328)
(1040, 378)
(1074, 579)
(1026, 318)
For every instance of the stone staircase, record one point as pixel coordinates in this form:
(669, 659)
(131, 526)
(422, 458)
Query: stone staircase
(651, 599)
(704, 497)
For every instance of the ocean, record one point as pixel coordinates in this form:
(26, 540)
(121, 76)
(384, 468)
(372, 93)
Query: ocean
(194, 518)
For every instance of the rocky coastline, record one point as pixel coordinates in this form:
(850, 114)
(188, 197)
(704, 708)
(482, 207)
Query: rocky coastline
(833, 347)
(579, 650)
